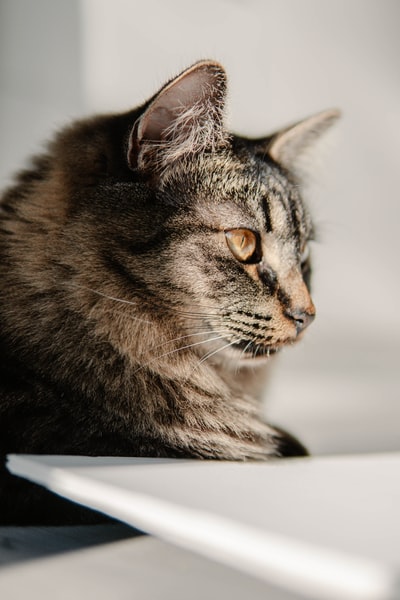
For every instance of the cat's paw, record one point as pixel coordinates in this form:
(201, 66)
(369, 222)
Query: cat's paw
(286, 445)
(245, 437)
(279, 444)
(272, 443)
(268, 441)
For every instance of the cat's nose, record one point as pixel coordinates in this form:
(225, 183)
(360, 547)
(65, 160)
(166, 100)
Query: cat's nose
(302, 319)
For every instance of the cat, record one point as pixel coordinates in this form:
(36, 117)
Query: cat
(151, 264)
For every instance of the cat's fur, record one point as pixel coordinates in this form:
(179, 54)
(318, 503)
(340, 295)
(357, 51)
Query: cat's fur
(128, 327)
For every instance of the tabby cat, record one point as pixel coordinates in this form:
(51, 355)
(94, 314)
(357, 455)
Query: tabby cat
(151, 264)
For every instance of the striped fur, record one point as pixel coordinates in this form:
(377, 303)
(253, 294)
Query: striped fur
(127, 325)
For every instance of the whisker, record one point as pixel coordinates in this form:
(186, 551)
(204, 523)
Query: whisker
(129, 316)
(210, 354)
(129, 302)
(220, 337)
(193, 315)
(186, 347)
(220, 311)
(245, 350)
(189, 335)
(102, 294)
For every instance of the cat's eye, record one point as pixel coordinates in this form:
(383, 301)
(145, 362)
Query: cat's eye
(243, 243)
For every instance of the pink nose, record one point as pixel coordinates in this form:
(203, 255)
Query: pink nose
(302, 319)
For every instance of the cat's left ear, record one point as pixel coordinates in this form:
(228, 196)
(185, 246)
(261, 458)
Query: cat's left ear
(288, 146)
(185, 117)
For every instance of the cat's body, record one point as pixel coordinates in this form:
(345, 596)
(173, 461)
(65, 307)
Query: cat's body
(149, 265)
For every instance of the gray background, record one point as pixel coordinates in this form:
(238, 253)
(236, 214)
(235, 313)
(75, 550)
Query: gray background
(285, 59)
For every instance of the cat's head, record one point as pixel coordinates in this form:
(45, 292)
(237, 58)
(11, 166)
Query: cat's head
(208, 228)
(236, 248)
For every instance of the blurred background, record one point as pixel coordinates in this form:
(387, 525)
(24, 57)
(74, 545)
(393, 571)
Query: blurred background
(339, 390)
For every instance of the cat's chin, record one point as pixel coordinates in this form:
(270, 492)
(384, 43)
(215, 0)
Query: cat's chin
(253, 354)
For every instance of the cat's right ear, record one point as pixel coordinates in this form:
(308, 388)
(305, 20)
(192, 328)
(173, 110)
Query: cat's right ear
(185, 117)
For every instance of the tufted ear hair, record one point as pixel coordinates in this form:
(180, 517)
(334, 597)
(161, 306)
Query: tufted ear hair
(288, 146)
(185, 117)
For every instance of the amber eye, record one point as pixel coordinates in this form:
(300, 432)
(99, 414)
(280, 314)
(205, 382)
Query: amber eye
(243, 244)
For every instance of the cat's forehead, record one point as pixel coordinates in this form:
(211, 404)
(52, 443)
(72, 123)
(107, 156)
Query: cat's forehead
(243, 191)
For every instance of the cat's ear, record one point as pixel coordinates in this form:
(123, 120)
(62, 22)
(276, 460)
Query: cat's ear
(288, 147)
(185, 117)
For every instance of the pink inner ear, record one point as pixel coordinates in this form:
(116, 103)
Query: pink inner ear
(155, 123)
(181, 95)
(185, 117)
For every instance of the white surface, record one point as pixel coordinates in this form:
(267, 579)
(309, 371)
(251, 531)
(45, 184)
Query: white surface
(142, 568)
(326, 527)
